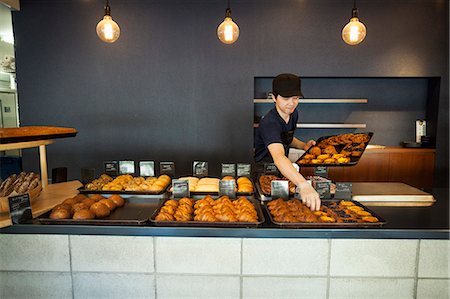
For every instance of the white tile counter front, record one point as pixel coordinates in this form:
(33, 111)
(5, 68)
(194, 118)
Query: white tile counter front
(63, 266)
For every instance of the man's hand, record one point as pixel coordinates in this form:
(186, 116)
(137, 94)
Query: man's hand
(309, 196)
(309, 144)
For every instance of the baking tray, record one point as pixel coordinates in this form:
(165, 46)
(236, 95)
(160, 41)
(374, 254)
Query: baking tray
(353, 160)
(136, 211)
(82, 190)
(259, 212)
(381, 222)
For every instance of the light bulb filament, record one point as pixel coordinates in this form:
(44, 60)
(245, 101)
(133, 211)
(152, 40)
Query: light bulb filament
(228, 33)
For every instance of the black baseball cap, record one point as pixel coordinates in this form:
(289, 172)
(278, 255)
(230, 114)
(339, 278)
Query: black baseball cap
(287, 85)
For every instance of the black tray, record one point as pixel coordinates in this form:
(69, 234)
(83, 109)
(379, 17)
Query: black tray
(381, 221)
(353, 160)
(136, 211)
(259, 212)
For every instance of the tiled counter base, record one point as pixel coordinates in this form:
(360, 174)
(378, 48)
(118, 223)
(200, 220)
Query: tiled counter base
(62, 266)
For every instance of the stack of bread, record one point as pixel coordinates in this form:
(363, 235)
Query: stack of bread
(207, 209)
(19, 184)
(82, 207)
(129, 183)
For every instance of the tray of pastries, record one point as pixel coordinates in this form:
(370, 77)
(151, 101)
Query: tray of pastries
(99, 210)
(336, 150)
(16, 184)
(265, 184)
(209, 185)
(127, 184)
(209, 211)
(333, 213)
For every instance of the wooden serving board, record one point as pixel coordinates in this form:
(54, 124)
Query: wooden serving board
(31, 133)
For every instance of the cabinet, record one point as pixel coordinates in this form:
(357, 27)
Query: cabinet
(414, 167)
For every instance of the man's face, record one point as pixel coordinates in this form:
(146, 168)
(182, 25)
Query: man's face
(286, 105)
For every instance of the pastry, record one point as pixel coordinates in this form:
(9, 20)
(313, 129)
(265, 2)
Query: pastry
(100, 210)
(117, 199)
(109, 203)
(60, 214)
(83, 214)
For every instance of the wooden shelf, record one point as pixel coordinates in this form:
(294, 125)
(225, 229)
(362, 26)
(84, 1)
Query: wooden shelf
(319, 101)
(326, 126)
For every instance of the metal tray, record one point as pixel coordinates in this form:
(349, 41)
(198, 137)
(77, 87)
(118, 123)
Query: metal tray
(259, 212)
(353, 160)
(332, 225)
(82, 190)
(136, 211)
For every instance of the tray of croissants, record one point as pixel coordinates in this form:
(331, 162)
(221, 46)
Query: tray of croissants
(96, 209)
(336, 150)
(127, 184)
(209, 210)
(332, 213)
(210, 185)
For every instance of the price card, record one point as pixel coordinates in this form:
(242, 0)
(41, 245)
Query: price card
(321, 171)
(244, 169)
(228, 169)
(200, 169)
(180, 188)
(147, 168)
(323, 188)
(126, 167)
(111, 168)
(167, 168)
(228, 188)
(270, 168)
(280, 189)
(343, 191)
(20, 208)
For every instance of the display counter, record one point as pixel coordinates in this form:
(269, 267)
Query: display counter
(402, 223)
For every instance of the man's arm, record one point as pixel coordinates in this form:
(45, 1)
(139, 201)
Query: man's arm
(297, 143)
(284, 165)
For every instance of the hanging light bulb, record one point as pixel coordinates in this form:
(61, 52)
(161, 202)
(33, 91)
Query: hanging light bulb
(108, 30)
(228, 31)
(354, 32)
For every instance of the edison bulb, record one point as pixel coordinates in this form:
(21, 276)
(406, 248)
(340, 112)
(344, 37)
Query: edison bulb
(354, 32)
(108, 30)
(228, 31)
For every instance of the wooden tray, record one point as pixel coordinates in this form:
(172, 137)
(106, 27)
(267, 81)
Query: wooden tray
(32, 133)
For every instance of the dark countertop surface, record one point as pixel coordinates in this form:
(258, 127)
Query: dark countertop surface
(402, 223)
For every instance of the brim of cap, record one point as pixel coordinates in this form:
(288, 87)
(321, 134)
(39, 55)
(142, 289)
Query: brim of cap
(292, 93)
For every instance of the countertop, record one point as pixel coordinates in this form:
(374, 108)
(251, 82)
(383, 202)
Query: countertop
(402, 223)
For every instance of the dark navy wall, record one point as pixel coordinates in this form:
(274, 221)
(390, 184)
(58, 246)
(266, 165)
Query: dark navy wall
(169, 90)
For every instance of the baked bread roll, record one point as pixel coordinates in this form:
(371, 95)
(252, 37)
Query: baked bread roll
(83, 214)
(118, 200)
(100, 210)
(60, 214)
(109, 203)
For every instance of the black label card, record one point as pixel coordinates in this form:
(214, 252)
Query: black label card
(321, 171)
(228, 188)
(228, 169)
(323, 188)
(343, 191)
(270, 168)
(147, 168)
(200, 169)
(111, 168)
(244, 169)
(167, 168)
(280, 189)
(126, 167)
(20, 208)
(180, 188)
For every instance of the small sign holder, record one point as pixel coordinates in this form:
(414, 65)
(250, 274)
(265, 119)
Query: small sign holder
(111, 168)
(147, 168)
(126, 167)
(167, 168)
(321, 171)
(180, 188)
(244, 169)
(270, 168)
(20, 209)
(228, 188)
(228, 169)
(323, 188)
(280, 189)
(343, 191)
(200, 169)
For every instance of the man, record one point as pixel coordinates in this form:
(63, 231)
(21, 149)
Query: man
(275, 135)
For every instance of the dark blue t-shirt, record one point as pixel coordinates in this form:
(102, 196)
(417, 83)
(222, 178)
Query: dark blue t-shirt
(273, 129)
